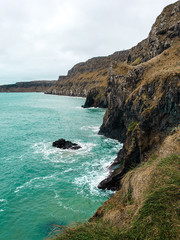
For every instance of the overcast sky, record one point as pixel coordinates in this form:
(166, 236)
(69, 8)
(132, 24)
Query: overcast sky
(42, 39)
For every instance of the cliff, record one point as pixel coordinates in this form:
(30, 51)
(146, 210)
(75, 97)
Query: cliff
(163, 32)
(33, 86)
(88, 77)
(143, 98)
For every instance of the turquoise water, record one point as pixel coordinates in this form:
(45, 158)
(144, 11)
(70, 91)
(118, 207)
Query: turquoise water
(41, 185)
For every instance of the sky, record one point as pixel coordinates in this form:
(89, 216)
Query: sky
(42, 39)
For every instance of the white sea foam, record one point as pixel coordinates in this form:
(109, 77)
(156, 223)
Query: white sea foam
(3, 202)
(20, 157)
(61, 203)
(34, 182)
(94, 108)
(71, 209)
(68, 170)
(45, 148)
(94, 129)
(85, 147)
(56, 194)
(56, 155)
(52, 154)
(93, 174)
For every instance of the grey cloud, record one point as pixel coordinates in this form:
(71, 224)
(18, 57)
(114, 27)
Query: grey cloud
(41, 39)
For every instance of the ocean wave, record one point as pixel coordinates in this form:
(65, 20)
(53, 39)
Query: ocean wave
(52, 154)
(3, 203)
(85, 147)
(68, 170)
(94, 129)
(71, 209)
(34, 182)
(93, 173)
(61, 202)
(45, 148)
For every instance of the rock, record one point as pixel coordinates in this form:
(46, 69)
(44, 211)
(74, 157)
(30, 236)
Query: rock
(62, 143)
(86, 76)
(96, 98)
(164, 32)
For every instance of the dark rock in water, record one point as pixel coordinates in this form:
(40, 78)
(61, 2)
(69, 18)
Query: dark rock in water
(62, 143)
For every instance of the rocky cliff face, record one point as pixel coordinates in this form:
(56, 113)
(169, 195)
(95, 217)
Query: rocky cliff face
(161, 37)
(96, 97)
(144, 100)
(33, 86)
(90, 76)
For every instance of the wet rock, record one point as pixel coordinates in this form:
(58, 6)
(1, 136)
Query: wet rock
(62, 143)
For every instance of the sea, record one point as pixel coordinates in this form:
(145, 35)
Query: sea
(43, 188)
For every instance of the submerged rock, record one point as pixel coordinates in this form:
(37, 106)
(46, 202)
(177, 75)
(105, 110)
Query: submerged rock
(62, 143)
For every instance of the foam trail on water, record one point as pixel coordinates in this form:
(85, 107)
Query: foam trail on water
(3, 202)
(94, 173)
(92, 128)
(33, 182)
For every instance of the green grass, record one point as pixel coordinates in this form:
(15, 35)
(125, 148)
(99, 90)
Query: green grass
(89, 231)
(132, 126)
(137, 61)
(157, 219)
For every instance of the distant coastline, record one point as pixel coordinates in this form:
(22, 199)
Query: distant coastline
(32, 86)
